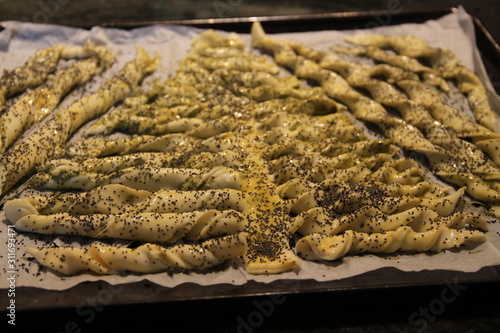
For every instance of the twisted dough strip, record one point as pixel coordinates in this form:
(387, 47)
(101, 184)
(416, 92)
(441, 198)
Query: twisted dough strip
(318, 246)
(33, 73)
(36, 104)
(145, 226)
(147, 258)
(369, 219)
(396, 61)
(194, 127)
(261, 90)
(117, 118)
(347, 197)
(32, 150)
(139, 118)
(281, 126)
(239, 63)
(346, 167)
(447, 64)
(210, 40)
(100, 147)
(115, 198)
(230, 52)
(348, 139)
(429, 190)
(106, 165)
(294, 170)
(151, 179)
(40, 65)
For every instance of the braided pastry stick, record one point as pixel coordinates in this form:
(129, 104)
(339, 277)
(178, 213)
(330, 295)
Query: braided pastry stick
(370, 219)
(147, 258)
(33, 73)
(154, 119)
(446, 63)
(346, 167)
(116, 198)
(39, 66)
(151, 179)
(106, 165)
(347, 197)
(32, 150)
(350, 140)
(319, 246)
(428, 190)
(176, 142)
(136, 109)
(147, 227)
(392, 65)
(36, 104)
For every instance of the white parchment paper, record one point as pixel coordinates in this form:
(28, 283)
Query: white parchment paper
(20, 40)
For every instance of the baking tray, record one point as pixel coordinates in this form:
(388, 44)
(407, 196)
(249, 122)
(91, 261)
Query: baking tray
(32, 299)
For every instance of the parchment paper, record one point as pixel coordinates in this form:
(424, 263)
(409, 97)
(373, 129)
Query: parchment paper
(20, 40)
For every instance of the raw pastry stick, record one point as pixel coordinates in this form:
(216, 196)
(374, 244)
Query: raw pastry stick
(146, 227)
(101, 147)
(341, 197)
(63, 168)
(425, 189)
(369, 219)
(33, 73)
(49, 140)
(39, 66)
(38, 103)
(147, 258)
(405, 63)
(446, 63)
(319, 246)
(151, 179)
(114, 199)
(316, 167)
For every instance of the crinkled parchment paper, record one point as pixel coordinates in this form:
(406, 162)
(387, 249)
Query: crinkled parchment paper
(20, 40)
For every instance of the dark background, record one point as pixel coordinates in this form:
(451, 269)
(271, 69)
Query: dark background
(91, 12)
